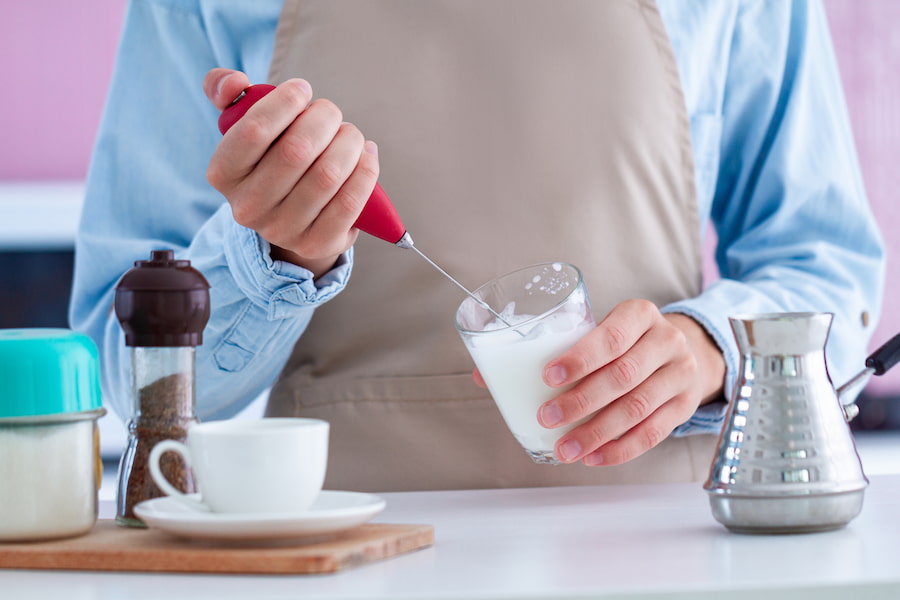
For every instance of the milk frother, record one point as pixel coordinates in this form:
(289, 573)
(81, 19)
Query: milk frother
(378, 218)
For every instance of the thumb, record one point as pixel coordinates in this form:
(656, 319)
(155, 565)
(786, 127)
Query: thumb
(222, 86)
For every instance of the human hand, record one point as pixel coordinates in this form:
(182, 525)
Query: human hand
(292, 170)
(643, 374)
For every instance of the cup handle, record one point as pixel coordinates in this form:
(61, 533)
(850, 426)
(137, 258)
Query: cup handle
(160, 479)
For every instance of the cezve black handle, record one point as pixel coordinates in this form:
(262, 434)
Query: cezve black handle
(885, 357)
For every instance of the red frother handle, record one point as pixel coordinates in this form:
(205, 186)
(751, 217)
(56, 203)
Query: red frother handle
(378, 217)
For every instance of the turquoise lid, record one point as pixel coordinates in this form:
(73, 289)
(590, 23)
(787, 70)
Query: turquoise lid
(47, 372)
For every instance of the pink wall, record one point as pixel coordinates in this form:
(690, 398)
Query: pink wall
(867, 43)
(62, 56)
(59, 57)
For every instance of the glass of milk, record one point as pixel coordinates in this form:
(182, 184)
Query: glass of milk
(543, 310)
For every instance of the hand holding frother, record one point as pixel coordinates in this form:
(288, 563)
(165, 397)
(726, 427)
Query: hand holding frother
(378, 218)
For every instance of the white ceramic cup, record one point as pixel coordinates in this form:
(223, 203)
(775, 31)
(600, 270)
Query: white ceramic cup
(250, 466)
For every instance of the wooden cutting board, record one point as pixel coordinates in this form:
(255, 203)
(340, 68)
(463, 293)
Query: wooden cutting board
(109, 547)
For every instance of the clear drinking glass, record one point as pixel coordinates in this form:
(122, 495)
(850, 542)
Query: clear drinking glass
(543, 310)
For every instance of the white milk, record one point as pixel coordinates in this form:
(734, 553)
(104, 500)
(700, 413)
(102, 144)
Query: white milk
(512, 366)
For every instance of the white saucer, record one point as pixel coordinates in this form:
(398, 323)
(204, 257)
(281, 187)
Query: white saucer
(333, 511)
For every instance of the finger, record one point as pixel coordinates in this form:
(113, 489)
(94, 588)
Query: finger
(625, 414)
(655, 348)
(344, 209)
(274, 179)
(248, 140)
(222, 86)
(319, 213)
(479, 380)
(612, 337)
(648, 434)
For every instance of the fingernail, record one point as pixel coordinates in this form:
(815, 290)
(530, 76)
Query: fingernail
(550, 415)
(303, 85)
(568, 450)
(221, 83)
(594, 459)
(556, 375)
(371, 147)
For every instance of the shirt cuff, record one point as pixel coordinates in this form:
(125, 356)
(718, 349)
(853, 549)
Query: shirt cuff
(280, 287)
(706, 419)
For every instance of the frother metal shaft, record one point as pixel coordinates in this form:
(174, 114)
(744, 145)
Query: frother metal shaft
(406, 242)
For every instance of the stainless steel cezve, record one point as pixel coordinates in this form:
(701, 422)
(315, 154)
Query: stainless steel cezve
(786, 461)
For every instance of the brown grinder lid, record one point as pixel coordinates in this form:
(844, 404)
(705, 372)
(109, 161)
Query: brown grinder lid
(162, 302)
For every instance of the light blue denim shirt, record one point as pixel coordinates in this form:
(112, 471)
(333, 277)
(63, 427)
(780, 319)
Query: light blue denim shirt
(777, 177)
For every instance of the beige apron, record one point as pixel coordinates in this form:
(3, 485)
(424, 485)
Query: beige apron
(510, 132)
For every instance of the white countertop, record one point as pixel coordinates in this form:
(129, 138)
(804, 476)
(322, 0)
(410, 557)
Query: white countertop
(651, 541)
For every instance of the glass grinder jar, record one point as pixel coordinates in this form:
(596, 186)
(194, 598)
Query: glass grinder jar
(162, 305)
